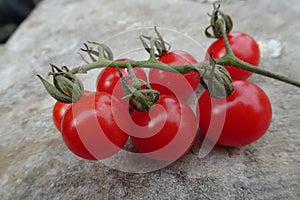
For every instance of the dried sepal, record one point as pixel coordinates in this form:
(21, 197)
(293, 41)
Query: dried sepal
(66, 87)
(217, 80)
(139, 93)
(216, 29)
(156, 44)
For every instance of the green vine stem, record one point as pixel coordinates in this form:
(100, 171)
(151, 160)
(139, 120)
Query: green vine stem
(201, 67)
(214, 77)
(151, 63)
(232, 60)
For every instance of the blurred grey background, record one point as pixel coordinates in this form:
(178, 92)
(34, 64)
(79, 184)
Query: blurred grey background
(12, 13)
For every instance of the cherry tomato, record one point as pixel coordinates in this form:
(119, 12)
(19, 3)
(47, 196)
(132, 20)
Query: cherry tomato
(109, 79)
(95, 127)
(167, 131)
(243, 46)
(59, 110)
(182, 85)
(240, 119)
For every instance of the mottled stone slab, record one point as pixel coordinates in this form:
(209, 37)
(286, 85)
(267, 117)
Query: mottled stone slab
(35, 163)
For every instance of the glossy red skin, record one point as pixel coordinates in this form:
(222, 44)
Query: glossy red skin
(247, 112)
(109, 79)
(58, 112)
(243, 46)
(90, 129)
(182, 85)
(168, 133)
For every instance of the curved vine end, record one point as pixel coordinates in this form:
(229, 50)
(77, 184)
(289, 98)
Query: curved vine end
(217, 80)
(216, 29)
(66, 87)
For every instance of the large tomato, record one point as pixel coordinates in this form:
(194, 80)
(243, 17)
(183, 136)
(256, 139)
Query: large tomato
(95, 127)
(171, 83)
(243, 46)
(240, 119)
(167, 131)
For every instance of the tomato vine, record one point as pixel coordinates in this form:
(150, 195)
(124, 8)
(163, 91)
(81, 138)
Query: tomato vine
(205, 69)
(93, 113)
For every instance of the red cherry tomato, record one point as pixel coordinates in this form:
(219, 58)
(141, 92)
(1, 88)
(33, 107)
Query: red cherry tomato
(167, 131)
(95, 127)
(59, 110)
(182, 85)
(109, 79)
(243, 46)
(238, 120)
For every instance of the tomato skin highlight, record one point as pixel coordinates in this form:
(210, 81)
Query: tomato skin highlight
(167, 131)
(181, 85)
(90, 129)
(58, 112)
(247, 111)
(243, 46)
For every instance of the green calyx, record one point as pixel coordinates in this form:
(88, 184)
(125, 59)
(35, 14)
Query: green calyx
(158, 46)
(66, 87)
(216, 28)
(139, 93)
(218, 81)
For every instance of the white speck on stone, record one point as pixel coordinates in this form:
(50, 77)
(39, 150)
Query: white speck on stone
(122, 22)
(270, 48)
(3, 180)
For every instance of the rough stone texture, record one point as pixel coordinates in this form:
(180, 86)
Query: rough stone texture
(35, 164)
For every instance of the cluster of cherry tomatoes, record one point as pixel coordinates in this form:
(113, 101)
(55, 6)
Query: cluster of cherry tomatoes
(100, 124)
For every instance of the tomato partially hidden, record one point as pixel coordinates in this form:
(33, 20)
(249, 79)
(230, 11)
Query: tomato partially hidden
(174, 83)
(243, 46)
(109, 79)
(167, 131)
(95, 127)
(238, 120)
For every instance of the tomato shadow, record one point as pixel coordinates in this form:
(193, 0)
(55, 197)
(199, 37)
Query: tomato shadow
(216, 149)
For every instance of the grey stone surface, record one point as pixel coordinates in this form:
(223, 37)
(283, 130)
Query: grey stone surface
(35, 164)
